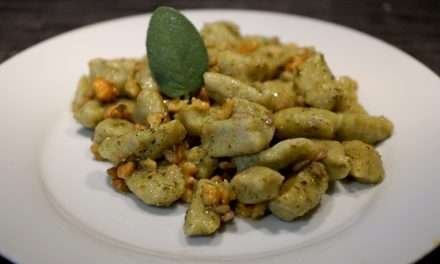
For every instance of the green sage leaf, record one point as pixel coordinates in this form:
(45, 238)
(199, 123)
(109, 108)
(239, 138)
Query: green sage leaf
(177, 55)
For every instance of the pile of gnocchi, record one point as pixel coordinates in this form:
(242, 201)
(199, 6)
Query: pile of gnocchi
(268, 132)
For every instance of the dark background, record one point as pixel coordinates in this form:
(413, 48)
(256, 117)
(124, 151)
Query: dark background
(411, 25)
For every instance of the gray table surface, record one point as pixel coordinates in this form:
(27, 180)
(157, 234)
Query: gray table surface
(413, 26)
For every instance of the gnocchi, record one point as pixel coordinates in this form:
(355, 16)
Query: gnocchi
(267, 133)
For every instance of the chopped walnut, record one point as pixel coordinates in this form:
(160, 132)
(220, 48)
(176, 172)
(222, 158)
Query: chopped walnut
(176, 154)
(292, 64)
(218, 194)
(228, 216)
(181, 149)
(217, 178)
(190, 183)
(113, 172)
(104, 90)
(203, 95)
(247, 46)
(222, 209)
(253, 211)
(199, 104)
(225, 110)
(176, 105)
(188, 168)
(170, 155)
(119, 185)
(140, 126)
(298, 60)
(155, 119)
(125, 170)
(117, 111)
(94, 150)
(211, 195)
(226, 196)
(149, 164)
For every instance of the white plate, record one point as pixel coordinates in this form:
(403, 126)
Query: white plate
(57, 207)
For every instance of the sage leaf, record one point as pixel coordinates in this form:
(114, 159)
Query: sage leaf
(177, 55)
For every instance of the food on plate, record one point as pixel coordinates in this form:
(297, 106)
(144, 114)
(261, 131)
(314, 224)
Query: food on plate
(365, 162)
(243, 126)
(301, 192)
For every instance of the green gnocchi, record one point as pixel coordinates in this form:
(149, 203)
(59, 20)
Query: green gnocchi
(300, 193)
(267, 133)
(161, 187)
(256, 184)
